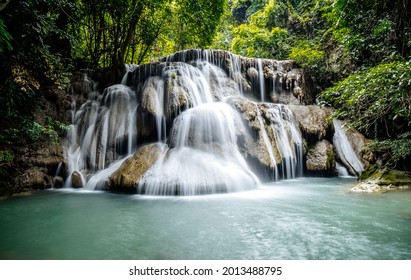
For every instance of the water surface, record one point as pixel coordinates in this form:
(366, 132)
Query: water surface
(306, 218)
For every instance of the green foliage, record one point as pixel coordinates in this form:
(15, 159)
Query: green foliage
(30, 131)
(368, 30)
(6, 157)
(307, 56)
(44, 43)
(252, 41)
(399, 149)
(197, 22)
(376, 100)
(131, 31)
(57, 71)
(243, 9)
(5, 38)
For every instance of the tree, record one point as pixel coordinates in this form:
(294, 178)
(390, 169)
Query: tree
(197, 22)
(114, 32)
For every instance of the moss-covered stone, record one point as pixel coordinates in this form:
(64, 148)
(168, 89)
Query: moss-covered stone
(380, 180)
(368, 172)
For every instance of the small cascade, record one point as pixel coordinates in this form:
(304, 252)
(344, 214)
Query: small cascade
(289, 141)
(182, 102)
(261, 81)
(57, 176)
(341, 170)
(129, 68)
(155, 99)
(345, 151)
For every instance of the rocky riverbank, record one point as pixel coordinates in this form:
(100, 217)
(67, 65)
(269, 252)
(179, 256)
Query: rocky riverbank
(381, 180)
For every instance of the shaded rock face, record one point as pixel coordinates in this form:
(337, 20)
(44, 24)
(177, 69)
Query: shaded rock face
(40, 166)
(321, 158)
(34, 177)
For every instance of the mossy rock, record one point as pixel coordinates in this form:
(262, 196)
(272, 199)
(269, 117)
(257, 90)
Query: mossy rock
(387, 176)
(380, 180)
(368, 172)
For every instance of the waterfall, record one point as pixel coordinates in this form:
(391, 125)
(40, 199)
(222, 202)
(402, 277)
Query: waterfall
(261, 81)
(204, 156)
(289, 141)
(97, 126)
(183, 102)
(345, 151)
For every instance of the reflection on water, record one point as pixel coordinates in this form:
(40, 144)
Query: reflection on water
(307, 218)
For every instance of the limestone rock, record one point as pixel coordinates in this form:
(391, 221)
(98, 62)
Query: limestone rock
(253, 143)
(48, 156)
(321, 157)
(386, 178)
(34, 178)
(127, 177)
(312, 120)
(368, 187)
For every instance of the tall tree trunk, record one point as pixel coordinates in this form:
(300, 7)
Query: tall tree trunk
(403, 26)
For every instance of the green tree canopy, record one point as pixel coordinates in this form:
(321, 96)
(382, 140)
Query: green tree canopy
(118, 31)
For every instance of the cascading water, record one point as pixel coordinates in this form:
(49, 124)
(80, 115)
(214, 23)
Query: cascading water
(98, 124)
(345, 151)
(182, 102)
(289, 141)
(204, 156)
(261, 79)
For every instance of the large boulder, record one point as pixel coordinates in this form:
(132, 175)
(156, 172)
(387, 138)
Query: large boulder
(77, 180)
(313, 121)
(321, 158)
(127, 177)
